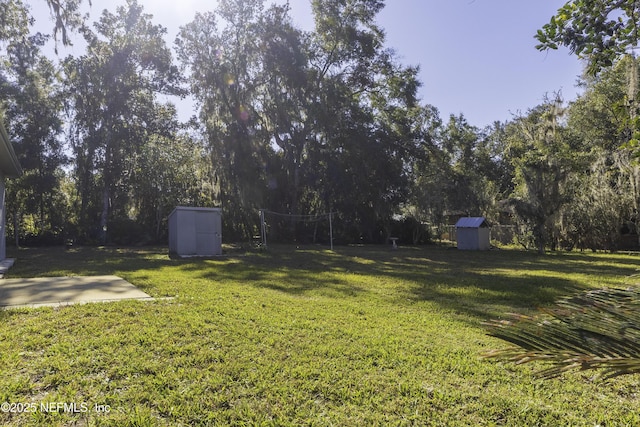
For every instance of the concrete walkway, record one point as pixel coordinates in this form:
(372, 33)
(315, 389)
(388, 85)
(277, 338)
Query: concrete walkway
(54, 291)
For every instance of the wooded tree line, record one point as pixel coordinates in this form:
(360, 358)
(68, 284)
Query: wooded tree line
(296, 122)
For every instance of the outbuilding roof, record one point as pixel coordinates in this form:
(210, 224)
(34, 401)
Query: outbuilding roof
(9, 165)
(192, 208)
(472, 222)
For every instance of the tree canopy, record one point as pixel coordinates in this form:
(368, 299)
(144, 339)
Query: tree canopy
(600, 31)
(303, 122)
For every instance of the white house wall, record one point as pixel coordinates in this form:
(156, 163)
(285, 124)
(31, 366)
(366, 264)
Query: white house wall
(3, 239)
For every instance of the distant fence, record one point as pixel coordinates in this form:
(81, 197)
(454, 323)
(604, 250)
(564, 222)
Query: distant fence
(506, 234)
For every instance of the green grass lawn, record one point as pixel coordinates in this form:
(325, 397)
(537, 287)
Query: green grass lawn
(357, 336)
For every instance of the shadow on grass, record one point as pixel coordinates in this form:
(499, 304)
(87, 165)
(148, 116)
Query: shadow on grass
(477, 284)
(486, 284)
(83, 261)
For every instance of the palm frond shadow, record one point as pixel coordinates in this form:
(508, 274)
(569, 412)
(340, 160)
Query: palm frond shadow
(596, 330)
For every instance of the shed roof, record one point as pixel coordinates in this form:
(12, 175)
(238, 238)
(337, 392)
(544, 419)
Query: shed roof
(194, 208)
(472, 222)
(9, 165)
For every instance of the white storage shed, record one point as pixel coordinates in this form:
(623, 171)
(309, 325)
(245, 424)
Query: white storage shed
(473, 234)
(195, 231)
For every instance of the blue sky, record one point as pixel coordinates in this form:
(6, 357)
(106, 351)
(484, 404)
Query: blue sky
(477, 57)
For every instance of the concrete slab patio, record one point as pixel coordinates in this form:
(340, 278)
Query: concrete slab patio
(54, 291)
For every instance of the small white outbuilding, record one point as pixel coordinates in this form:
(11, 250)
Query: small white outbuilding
(472, 234)
(195, 231)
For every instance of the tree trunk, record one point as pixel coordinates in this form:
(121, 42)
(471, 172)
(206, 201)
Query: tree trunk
(16, 225)
(158, 221)
(104, 216)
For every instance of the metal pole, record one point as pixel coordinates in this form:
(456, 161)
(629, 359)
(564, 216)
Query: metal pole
(264, 226)
(263, 229)
(331, 230)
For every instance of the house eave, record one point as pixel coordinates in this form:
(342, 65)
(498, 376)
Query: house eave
(9, 164)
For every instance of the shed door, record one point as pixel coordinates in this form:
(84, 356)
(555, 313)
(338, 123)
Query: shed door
(206, 231)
